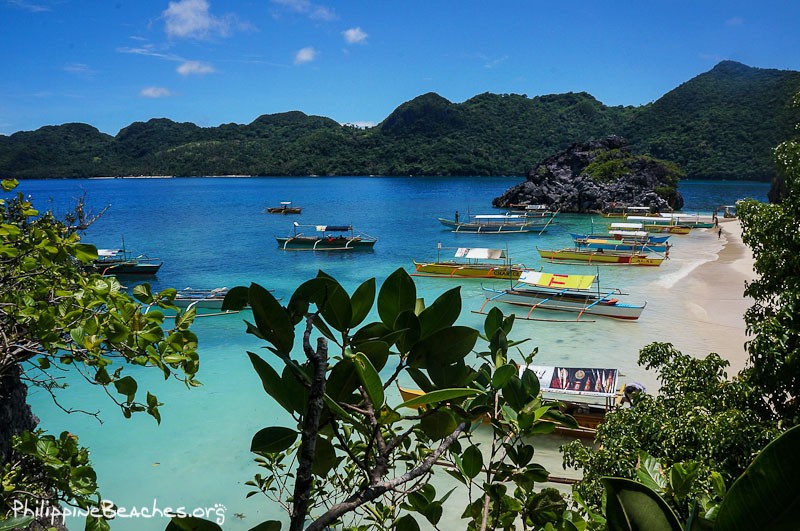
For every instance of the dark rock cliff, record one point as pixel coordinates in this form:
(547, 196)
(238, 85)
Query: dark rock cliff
(594, 175)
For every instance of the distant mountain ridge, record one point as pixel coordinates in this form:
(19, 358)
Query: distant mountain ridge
(721, 124)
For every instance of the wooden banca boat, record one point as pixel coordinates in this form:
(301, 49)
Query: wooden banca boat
(327, 238)
(565, 293)
(285, 207)
(498, 224)
(589, 241)
(121, 262)
(201, 298)
(586, 394)
(623, 211)
(471, 262)
(599, 257)
(659, 224)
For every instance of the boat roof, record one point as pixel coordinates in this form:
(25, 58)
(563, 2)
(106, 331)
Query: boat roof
(629, 233)
(334, 228)
(286, 202)
(648, 219)
(480, 253)
(109, 252)
(640, 208)
(626, 225)
(536, 207)
(586, 381)
(498, 216)
(557, 281)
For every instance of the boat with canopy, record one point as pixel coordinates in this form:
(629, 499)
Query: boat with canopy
(499, 224)
(327, 238)
(599, 257)
(471, 262)
(566, 293)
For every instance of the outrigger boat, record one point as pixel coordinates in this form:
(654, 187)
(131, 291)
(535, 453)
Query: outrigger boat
(499, 223)
(623, 211)
(659, 224)
(578, 382)
(330, 238)
(566, 293)
(608, 244)
(200, 298)
(121, 262)
(696, 221)
(599, 257)
(468, 262)
(285, 207)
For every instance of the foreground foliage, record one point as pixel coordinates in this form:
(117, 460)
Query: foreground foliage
(56, 317)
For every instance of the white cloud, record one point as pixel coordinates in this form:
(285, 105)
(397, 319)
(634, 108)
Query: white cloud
(28, 6)
(365, 124)
(305, 55)
(149, 50)
(79, 69)
(195, 67)
(192, 19)
(307, 8)
(155, 92)
(355, 36)
(734, 21)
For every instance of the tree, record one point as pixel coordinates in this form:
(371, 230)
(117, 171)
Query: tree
(772, 231)
(354, 453)
(55, 316)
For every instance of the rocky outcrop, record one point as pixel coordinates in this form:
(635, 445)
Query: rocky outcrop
(595, 175)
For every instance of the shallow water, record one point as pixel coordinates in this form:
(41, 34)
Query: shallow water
(211, 232)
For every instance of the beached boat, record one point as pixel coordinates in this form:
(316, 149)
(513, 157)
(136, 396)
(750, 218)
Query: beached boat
(696, 221)
(121, 262)
(587, 241)
(565, 293)
(592, 391)
(328, 238)
(473, 262)
(659, 224)
(623, 211)
(285, 207)
(498, 223)
(599, 257)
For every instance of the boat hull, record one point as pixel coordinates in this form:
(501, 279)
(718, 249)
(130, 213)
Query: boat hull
(282, 210)
(461, 270)
(599, 257)
(575, 302)
(620, 245)
(125, 267)
(314, 243)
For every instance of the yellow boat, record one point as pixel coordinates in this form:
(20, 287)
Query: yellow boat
(599, 257)
(475, 262)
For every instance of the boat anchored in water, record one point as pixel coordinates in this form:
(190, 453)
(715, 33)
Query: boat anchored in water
(285, 207)
(121, 262)
(475, 262)
(498, 223)
(566, 293)
(328, 238)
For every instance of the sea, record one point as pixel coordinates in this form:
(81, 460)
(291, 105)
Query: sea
(213, 231)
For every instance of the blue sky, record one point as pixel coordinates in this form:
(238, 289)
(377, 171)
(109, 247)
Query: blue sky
(109, 63)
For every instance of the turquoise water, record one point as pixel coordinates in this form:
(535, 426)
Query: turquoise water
(211, 232)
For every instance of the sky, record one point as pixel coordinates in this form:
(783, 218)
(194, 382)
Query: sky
(109, 63)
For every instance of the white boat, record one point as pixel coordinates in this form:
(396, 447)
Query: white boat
(565, 293)
(200, 298)
(498, 223)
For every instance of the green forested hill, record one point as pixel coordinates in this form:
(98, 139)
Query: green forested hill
(721, 124)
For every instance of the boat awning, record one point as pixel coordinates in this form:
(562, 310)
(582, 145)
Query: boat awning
(639, 209)
(480, 253)
(499, 216)
(334, 228)
(627, 226)
(647, 219)
(286, 202)
(586, 381)
(556, 281)
(108, 252)
(630, 233)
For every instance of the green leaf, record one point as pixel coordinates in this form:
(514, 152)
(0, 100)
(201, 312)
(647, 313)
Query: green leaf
(631, 506)
(324, 457)
(502, 375)
(272, 440)
(127, 386)
(406, 523)
(236, 298)
(20, 522)
(514, 393)
(438, 424)
(94, 523)
(271, 320)
(370, 379)
(471, 461)
(84, 253)
(334, 305)
(270, 380)
(442, 313)
(269, 525)
(767, 495)
(444, 347)
(397, 294)
(143, 293)
(649, 472)
(682, 477)
(493, 322)
(440, 395)
(190, 523)
(362, 300)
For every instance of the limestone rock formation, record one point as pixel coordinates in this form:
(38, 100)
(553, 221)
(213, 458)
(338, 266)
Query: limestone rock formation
(595, 175)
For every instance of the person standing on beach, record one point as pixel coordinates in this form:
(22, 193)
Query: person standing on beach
(719, 234)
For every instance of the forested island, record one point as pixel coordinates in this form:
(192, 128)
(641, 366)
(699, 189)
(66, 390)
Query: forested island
(721, 124)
